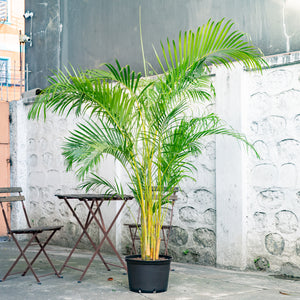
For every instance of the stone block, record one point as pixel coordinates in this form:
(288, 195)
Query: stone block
(265, 175)
(271, 198)
(179, 236)
(290, 269)
(188, 214)
(286, 221)
(274, 243)
(204, 237)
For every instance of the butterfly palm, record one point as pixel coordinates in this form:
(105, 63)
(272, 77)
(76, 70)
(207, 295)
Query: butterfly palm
(145, 123)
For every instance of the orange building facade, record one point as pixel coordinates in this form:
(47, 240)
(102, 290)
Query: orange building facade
(12, 80)
(12, 66)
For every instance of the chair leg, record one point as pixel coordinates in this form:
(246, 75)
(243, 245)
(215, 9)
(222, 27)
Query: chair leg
(42, 249)
(133, 236)
(84, 232)
(166, 237)
(24, 256)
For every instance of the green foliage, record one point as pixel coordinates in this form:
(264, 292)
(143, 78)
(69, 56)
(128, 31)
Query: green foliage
(261, 263)
(146, 124)
(185, 252)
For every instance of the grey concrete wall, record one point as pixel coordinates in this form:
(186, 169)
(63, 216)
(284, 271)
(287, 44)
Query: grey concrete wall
(88, 33)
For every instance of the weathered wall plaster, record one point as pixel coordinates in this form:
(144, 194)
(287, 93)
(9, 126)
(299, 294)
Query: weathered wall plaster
(257, 199)
(273, 181)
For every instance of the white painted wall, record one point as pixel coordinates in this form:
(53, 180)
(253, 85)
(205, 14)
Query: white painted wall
(230, 171)
(273, 187)
(257, 200)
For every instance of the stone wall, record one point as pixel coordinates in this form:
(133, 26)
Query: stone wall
(257, 200)
(240, 212)
(38, 167)
(274, 180)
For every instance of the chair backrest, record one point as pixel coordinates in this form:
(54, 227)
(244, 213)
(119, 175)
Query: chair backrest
(5, 196)
(11, 190)
(172, 198)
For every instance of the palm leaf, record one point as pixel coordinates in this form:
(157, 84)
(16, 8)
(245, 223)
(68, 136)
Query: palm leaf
(95, 182)
(89, 144)
(212, 44)
(121, 75)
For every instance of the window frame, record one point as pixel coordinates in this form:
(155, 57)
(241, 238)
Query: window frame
(8, 3)
(7, 78)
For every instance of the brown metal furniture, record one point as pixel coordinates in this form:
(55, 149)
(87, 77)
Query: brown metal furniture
(6, 197)
(165, 229)
(93, 203)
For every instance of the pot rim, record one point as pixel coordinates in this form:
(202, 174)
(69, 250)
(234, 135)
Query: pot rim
(132, 258)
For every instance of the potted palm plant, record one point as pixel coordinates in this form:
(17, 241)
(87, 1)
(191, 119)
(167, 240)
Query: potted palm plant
(147, 125)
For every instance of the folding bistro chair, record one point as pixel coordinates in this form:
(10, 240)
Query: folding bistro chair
(33, 231)
(165, 230)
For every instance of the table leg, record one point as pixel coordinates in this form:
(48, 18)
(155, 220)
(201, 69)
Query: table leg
(84, 227)
(105, 232)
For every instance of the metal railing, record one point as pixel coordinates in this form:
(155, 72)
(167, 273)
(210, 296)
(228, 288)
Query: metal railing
(12, 81)
(3, 10)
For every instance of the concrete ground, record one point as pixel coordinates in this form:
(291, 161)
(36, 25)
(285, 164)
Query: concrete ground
(186, 281)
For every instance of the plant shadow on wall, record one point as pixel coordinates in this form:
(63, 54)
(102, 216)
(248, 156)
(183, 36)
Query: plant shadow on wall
(151, 125)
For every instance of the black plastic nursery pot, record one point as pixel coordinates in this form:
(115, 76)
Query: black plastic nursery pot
(148, 276)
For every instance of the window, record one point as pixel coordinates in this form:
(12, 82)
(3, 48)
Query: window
(3, 11)
(3, 71)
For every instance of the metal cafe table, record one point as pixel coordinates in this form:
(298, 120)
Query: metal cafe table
(93, 203)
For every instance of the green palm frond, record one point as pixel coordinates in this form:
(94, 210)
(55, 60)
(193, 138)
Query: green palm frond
(89, 144)
(184, 141)
(122, 75)
(77, 93)
(213, 43)
(95, 181)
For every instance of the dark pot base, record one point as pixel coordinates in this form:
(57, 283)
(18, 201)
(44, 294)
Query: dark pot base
(148, 276)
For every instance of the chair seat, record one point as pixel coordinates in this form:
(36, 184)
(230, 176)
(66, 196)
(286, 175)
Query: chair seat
(166, 226)
(33, 232)
(35, 229)
(133, 225)
(134, 228)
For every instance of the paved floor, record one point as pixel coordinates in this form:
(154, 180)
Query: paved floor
(186, 281)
